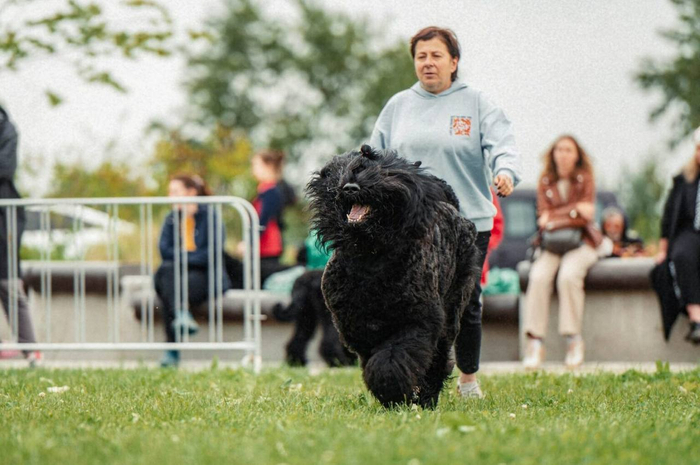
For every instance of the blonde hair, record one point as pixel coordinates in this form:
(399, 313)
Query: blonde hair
(550, 166)
(692, 168)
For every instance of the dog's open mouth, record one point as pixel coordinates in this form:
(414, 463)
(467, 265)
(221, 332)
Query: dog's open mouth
(358, 213)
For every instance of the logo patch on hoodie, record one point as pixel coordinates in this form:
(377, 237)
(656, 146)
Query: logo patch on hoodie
(461, 126)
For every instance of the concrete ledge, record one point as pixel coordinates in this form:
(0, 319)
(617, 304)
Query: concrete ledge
(97, 275)
(233, 304)
(500, 338)
(619, 274)
(622, 318)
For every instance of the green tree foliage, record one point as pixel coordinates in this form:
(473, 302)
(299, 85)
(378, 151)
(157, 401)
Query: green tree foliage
(641, 196)
(81, 34)
(678, 78)
(314, 79)
(109, 179)
(222, 159)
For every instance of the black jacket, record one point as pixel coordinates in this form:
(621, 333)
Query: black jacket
(8, 166)
(662, 277)
(200, 257)
(672, 211)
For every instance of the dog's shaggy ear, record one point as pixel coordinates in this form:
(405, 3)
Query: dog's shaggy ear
(368, 152)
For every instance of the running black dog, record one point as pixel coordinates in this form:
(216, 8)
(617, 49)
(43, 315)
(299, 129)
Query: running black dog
(402, 270)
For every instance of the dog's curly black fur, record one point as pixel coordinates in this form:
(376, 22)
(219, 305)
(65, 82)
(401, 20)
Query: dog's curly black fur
(402, 270)
(307, 309)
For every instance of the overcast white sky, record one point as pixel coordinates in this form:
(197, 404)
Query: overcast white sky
(555, 66)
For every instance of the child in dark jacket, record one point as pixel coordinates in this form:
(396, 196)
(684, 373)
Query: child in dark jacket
(192, 224)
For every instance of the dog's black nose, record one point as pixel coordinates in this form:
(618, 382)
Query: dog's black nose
(351, 187)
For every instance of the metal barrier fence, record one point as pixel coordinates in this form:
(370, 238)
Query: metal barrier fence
(12, 210)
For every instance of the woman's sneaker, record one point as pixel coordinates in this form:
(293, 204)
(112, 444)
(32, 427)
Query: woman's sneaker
(171, 359)
(186, 323)
(574, 353)
(694, 333)
(470, 390)
(534, 354)
(35, 359)
(8, 354)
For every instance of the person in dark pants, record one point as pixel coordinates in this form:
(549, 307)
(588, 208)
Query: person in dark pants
(193, 226)
(680, 238)
(469, 337)
(8, 166)
(458, 135)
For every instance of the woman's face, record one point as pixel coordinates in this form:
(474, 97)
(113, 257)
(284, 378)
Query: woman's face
(258, 168)
(434, 65)
(565, 157)
(614, 227)
(697, 154)
(262, 171)
(177, 188)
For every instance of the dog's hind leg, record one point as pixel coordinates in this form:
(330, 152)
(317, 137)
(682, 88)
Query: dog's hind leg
(439, 371)
(304, 329)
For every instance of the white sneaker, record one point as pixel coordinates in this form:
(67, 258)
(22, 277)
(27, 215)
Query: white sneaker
(534, 354)
(574, 353)
(35, 359)
(470, 390)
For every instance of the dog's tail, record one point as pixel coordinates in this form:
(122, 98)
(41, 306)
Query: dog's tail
(285, 313)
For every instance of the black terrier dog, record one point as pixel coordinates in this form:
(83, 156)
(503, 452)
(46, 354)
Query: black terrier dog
(308, 309)
(402, 270)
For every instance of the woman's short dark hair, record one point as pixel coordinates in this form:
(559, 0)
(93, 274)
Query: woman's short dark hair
(447, 36)
(192, 181)
(273, 158)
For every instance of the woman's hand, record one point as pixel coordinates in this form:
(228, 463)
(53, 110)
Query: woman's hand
(240, 249)
(586, 210)
(663, 251)
(503, 184)
(542, 220)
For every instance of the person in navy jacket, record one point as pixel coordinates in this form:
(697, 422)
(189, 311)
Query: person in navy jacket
(193, 226)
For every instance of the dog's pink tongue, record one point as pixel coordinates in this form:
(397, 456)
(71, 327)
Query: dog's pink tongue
(357, 212)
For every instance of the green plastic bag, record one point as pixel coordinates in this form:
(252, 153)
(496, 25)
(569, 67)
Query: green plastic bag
(316, 257)
(282, 281)
(502, 281)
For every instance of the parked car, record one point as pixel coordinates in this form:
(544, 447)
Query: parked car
(520, 217)
(73, 230)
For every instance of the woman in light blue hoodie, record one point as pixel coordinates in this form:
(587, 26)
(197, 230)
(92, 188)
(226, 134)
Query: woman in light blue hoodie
(463, 138)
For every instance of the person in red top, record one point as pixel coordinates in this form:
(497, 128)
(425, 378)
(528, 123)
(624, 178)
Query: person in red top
(496, 236)
(269, 203)
(267, 170)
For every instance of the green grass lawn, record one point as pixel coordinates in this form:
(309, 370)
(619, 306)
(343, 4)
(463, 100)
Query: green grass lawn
(288, 416)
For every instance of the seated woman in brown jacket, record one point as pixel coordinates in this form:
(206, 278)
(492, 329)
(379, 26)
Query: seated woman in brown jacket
(565, 204)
